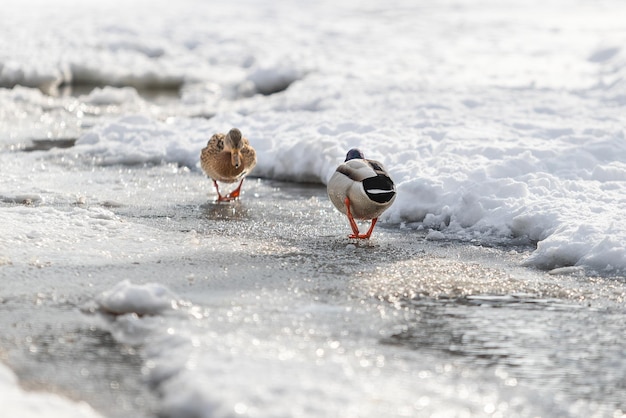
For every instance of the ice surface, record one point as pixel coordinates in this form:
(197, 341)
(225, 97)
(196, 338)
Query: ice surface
(45, 236)
(219, 360)
(499, 123)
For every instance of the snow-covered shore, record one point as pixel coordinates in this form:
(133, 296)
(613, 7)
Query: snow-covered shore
(493, 127)
(502, 123)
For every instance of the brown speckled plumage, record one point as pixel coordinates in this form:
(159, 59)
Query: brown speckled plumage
(228, 158)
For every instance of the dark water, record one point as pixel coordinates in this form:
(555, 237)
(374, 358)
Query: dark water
(570, 348)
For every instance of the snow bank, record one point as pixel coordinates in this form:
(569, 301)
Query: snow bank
(117, 45)
(146, 299)
(139, 140)
(567, 193)
(17, 402)
(111, 96)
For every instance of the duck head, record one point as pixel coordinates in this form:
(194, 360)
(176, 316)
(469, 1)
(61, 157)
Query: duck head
(234, 143)
(353, 154)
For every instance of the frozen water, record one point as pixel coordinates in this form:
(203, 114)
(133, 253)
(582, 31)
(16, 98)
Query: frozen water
(246, 305)
(501, 124)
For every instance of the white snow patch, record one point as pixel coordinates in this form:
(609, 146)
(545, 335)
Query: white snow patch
(145, 299)
(111, 96)
(42, 236)
(434, 235)
(17, 402)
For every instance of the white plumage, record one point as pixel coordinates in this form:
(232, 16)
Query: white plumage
(361, 189)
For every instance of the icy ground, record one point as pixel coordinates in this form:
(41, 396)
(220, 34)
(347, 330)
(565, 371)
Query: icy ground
(264, 308)
(493, 287)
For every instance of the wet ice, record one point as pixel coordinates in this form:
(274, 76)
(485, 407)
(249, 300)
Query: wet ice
(501, 124)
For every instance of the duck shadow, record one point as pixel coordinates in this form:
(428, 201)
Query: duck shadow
(225, 211)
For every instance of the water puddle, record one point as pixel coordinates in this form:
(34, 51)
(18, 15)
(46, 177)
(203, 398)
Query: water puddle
(538, 342)
(48, 144)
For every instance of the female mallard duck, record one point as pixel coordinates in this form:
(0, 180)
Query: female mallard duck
(228, 158)
(361, 189)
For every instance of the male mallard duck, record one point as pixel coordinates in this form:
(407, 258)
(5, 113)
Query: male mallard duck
(228, 158)
(361, 189)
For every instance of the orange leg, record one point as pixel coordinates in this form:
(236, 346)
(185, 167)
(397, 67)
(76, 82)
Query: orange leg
(235, 193)
(220, 198)
(354, 226)
(231, 196)
(369, 231)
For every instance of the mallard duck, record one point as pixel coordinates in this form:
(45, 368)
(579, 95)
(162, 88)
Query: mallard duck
(228, 158)
(361, 189)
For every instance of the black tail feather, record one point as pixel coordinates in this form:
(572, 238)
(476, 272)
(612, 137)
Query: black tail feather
(380, 188)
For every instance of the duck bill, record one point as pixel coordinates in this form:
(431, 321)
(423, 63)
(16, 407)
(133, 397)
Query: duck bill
(235, 159)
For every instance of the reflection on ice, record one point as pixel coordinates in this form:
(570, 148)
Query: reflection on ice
(48, 144)
(219, 211)
(528, 339)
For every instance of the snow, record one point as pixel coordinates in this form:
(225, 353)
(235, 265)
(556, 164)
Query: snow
(138, 140)
(228, 371)
(146, 299)
(499, 122)
(111, 96)
(16, 402)
(555, 187)
(43, 235)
